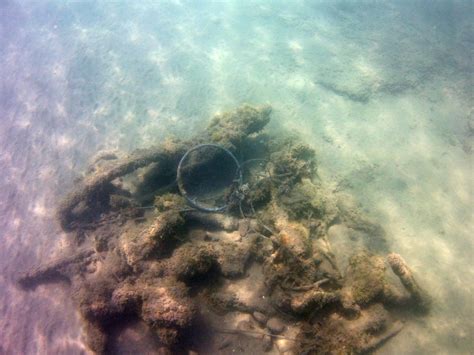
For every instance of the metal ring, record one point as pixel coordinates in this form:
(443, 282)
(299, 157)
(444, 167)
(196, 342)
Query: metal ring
(182, 190)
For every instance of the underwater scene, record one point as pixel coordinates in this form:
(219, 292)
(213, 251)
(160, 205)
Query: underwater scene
(236, 177)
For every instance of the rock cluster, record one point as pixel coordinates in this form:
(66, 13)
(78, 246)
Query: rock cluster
(264, 273)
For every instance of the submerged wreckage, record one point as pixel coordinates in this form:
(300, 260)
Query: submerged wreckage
(203, 252)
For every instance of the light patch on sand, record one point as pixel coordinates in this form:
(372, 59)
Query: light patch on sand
(443, 252)
(158, 57)
(46, 173)
(336, 135)
(31, 104)
(116, 69)
(219, 55)
(63, 241)
(83, 33)
(262, 39)
(462, 183)
(300, 81)
(24, 121)
(16, 222)
(177, 3)
(153, 113)
(171, 79)
(129, 117)
(366, 69)
(265, 58)
(60, 109)
(103, 110)
(6, 158)
(58, 71)
(295, 46)
(391, 208)
(325, 42)
(63, 141)
(422, 145)
(134, 33)
(174, 118)
(40, 210)
(42, 342)
(70, 343)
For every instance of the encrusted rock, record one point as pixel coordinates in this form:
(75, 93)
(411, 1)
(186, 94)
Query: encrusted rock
(95, 337)
(230, 128)
(313, 300)
(275, 326)
(260, 317)
(338, 335)
(295, 237)
(192, 260)
(153, 240)
(214, 220)
(267, 343)
(167, 308)
(126, 297)
(150, 263)
(365, 277)
(401, 269)
(233, 257)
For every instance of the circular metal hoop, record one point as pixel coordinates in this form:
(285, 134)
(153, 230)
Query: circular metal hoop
(193, 202)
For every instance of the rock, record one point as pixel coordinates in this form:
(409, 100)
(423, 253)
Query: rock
(232, 257)
(126, 297)
(275, 326)
(167, 308)
(244, 226)
(214, 220)
(224, 343)
(401, 269)
(365, 277)
(95, 337)
(295, 238)
(153, 241)
(158, 266)
(312, 300)
(230, 128)
(267, 343)
(167, 336)
(260, 317)
(284, 346)
(248, 327)
(164, 350)
(192, 260)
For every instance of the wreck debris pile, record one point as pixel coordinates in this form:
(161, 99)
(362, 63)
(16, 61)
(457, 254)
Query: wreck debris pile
(262, 276)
